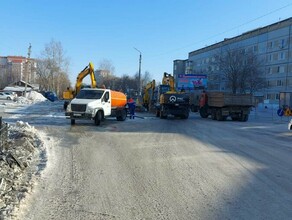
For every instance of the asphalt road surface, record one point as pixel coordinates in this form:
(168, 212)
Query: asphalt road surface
(151, 168)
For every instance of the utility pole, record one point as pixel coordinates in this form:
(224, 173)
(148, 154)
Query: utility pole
(26, 65)
(140, 59)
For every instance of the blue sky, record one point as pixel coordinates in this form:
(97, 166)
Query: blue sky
(163, 30)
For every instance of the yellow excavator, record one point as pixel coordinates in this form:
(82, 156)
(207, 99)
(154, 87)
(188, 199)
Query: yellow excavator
(69, 94)
(148, 94)
(168, 80)
(171, 102)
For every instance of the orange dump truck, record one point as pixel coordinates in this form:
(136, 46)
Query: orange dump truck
(220, 105)
(97, 104)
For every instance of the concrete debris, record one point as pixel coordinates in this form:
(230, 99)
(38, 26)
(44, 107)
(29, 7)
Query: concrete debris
(20, 158)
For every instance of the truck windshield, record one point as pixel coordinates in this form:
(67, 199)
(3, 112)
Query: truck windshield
(89, 94)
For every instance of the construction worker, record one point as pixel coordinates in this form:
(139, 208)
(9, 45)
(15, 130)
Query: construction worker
(132, 106)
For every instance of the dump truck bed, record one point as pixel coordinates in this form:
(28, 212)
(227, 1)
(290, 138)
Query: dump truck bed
(221, 99)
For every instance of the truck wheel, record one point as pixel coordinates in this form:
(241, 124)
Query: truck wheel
(185, 115)
(162, 115)
(122, 116)
(203, 112)
(213, 115)
(219, 115)
(234, 118)
(157, 113)
(97, 118)
(72, 121)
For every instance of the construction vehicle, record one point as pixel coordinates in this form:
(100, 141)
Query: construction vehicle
(148, 95)
(285, 104)
(69, 94)
(169, 101)
(221, 105)
(96, 104)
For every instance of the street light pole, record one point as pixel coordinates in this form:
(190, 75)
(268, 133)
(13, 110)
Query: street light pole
(27, 65)
(140, 59)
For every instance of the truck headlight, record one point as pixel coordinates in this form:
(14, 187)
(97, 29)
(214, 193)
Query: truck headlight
(90, 110)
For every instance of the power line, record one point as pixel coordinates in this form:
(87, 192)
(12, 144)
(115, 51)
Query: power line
(231, 29)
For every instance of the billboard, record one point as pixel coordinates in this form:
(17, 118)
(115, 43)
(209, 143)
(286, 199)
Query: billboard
(191, 81)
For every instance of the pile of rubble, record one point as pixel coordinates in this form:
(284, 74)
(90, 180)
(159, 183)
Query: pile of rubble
(21, 159)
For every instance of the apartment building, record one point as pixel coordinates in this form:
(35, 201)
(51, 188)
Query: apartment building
(272, 44)
(16, 68)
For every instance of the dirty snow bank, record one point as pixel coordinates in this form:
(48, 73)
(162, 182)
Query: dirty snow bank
(21, 158)
(31, 97)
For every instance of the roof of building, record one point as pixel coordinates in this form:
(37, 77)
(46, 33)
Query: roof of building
(245, 35)
(20, 83)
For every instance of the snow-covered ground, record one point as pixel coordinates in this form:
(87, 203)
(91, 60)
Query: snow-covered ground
(28, 147)
(23, 156)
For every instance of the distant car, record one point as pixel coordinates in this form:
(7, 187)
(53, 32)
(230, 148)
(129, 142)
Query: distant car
(50, 95)
(5, 96)
(14, 94)
(290, 125)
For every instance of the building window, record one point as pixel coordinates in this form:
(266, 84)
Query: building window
(270, 44)
(268, 96)
(282, 56)
(277, 96)
(279, 83)
(282, 43)
(255, 48)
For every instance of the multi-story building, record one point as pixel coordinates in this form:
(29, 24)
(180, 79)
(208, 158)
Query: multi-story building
(15, 68)
(271, 44)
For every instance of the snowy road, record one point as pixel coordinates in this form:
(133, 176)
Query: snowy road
(160, 169)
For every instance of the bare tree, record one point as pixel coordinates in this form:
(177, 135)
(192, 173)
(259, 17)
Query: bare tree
(106, 64)
(242, 70)
(52, 68)
(252, 78)
(146, 78)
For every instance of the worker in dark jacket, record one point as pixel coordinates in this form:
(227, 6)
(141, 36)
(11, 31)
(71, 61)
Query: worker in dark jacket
(132, 106)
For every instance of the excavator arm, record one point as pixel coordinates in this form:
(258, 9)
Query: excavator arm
(70, 93)
(148, 93)
(87, 70)
(168, 79)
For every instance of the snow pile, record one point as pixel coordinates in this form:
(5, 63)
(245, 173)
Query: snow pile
(31, 97)
(21, 158)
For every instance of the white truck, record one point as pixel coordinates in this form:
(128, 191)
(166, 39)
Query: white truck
(96, 104)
